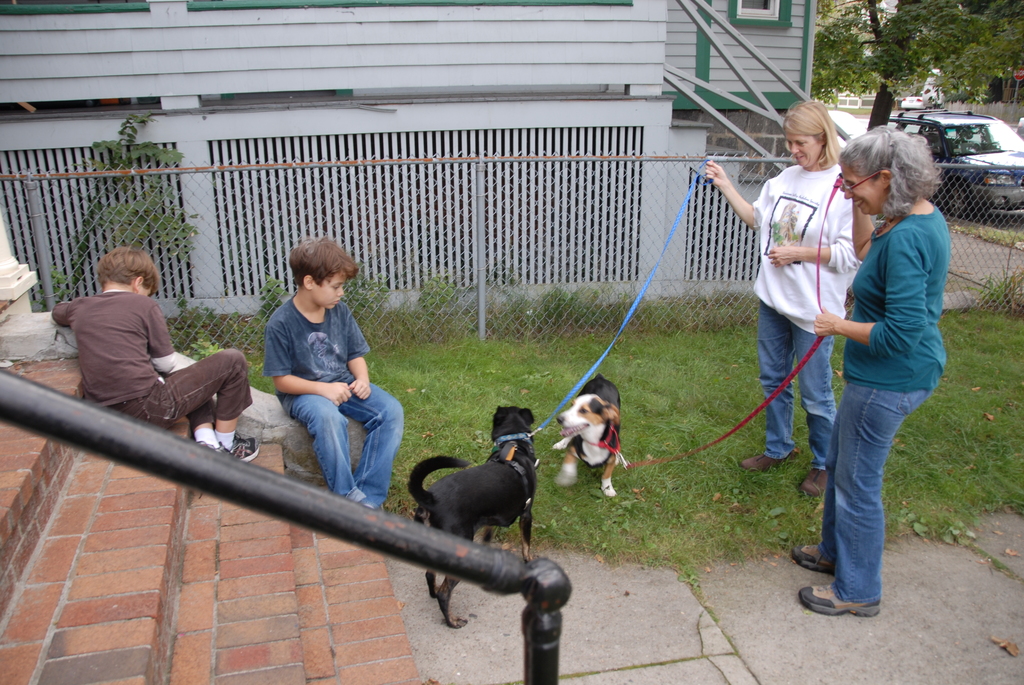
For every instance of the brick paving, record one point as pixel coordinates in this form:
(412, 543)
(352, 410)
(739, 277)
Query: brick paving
(111, 575)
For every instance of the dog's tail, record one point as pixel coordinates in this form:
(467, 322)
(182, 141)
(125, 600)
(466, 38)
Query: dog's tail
(424, 469)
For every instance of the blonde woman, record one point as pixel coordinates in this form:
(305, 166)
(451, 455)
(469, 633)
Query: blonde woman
(792, 212)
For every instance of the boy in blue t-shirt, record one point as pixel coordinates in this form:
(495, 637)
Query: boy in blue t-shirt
(314, 353)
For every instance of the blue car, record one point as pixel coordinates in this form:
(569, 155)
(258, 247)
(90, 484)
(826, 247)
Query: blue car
(991, 149)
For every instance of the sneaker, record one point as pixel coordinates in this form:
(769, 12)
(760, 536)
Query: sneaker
(762, 462)
(244, 449)
(822, 600)
(810, 558)
(814, 483)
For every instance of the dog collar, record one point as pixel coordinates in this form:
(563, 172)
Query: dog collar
(610, 442)
(513, 436)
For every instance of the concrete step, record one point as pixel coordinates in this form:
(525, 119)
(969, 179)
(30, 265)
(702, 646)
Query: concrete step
(111, 575)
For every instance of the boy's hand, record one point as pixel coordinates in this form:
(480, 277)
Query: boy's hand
(360, 388)
(338, 393)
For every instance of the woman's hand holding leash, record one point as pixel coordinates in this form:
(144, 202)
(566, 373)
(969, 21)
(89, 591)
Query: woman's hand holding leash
(826, 323)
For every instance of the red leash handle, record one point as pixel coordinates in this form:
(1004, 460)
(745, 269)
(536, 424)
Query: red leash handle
(789, 379)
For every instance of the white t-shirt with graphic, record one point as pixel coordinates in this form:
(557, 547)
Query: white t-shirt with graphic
(790, 211)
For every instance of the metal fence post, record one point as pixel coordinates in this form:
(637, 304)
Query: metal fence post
(546, 589)
(481, 254)
(42, 240)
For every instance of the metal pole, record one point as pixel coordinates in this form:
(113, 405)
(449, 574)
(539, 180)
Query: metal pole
(481, 253)
(546, 590)
(44, 266)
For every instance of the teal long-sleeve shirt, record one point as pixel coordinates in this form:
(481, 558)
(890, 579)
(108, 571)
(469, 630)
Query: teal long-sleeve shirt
(899, 288)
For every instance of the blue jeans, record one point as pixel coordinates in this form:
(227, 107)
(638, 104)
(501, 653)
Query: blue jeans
(780, 344)
(382, 417)
(853, 525)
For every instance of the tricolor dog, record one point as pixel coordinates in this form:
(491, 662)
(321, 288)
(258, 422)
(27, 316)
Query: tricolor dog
(495, 493)
(590, 428)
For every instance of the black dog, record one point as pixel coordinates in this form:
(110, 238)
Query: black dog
(496, 493)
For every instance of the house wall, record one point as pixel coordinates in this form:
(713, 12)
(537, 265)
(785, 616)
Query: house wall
(787, 47)
(174, 51)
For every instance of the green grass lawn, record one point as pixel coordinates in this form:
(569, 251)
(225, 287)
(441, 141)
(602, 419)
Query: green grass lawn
(957, 456)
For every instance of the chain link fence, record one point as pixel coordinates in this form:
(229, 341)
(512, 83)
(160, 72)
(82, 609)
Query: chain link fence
(502, 247)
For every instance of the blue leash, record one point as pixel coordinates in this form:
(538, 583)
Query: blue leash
(636, 302)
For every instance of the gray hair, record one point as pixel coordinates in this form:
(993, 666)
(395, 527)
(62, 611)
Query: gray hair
(914, 174)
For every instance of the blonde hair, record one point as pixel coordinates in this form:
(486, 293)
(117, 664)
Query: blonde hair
(811, 119)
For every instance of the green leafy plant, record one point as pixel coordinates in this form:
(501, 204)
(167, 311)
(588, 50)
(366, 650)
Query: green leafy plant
(128, 209)
(366, 294)
(272, 294)
(203, 348)
(1005, 294)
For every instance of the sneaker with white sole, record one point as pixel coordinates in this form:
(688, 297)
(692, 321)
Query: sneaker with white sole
(244, 449)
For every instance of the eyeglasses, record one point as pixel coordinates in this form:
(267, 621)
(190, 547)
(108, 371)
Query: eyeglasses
(846, 187)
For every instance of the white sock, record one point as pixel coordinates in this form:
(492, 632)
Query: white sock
(206, 436)
(226, 439)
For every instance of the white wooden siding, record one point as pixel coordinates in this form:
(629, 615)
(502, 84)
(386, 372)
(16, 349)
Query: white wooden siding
(170, 51)
(783, 46)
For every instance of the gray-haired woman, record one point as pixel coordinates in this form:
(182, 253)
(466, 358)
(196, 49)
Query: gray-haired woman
(892, 360)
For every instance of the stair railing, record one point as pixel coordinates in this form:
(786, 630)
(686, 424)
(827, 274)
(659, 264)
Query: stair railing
(543, 584)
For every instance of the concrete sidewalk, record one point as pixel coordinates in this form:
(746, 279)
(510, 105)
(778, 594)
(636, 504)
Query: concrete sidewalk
(630, 624)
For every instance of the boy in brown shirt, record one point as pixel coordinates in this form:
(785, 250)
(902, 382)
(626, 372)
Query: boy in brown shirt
(128, 362)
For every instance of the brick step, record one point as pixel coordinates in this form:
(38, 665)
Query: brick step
(32, 473)
(111, 575)
(263, 601)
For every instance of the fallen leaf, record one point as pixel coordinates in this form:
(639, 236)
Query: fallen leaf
(989, 417)
(626, 593)
(410, 389)
(523, 391)
(773, 564)
(599, 558)
(839, 373)
(717, 496)
(1006, 644)
(998, 532)
(976, 389)
(427, 435)
(707, 569)
(1012, 553)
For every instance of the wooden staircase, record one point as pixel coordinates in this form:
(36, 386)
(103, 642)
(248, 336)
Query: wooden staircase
(110, 575)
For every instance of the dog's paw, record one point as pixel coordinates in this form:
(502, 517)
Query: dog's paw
(566, 477)
(607, 489)
(561, 444)
(456, 622)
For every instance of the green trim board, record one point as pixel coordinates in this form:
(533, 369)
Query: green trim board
(213, 5)
(784, 20)
(778, 99)
(75, 9)
(702, 57)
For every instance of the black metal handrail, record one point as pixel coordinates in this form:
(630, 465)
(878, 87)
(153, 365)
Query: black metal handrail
(542, 582)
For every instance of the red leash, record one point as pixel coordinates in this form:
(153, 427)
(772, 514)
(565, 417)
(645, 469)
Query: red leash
(785, 383)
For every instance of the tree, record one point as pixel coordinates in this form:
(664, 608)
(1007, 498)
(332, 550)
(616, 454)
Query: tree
(997, 52)
(865, 45)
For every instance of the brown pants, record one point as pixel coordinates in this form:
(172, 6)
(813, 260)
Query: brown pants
(190, 392)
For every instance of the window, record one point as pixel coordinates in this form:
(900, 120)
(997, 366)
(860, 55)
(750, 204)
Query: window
(758, 9)
(760, 13)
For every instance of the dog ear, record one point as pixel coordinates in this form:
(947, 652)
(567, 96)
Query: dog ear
(527, 416)
(610, 413)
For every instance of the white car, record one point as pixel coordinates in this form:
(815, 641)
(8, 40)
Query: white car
(912, 102)
(849, 126)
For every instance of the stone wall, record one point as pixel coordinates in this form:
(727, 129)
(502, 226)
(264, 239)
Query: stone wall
(767, 133)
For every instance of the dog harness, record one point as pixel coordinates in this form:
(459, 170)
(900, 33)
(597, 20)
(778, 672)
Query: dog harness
(504, 452)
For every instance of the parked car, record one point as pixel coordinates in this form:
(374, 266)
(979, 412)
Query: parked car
(982, 142)
(912, 102)
(849, 126)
